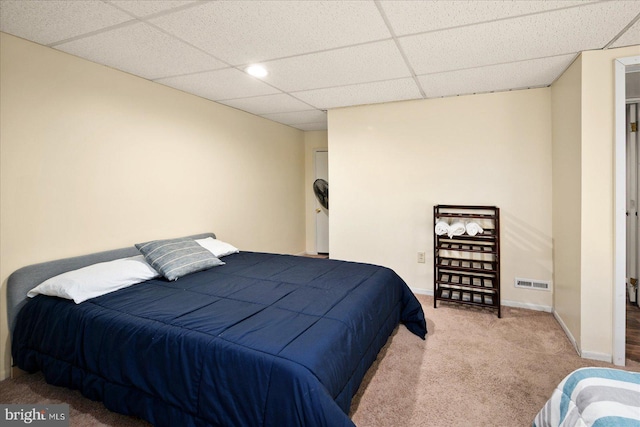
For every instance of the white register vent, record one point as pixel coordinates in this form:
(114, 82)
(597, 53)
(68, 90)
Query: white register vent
(541, 285)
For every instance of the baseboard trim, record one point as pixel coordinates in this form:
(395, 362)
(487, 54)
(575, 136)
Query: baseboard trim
(567, 332)
(592, 355)
(516, 304)
(528, 306)
(601, 357)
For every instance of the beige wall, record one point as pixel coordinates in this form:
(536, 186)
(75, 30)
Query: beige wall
(567, 191)
(94, 159)
(583, 222)
(598, 143)
(391, 163)
(313, 141)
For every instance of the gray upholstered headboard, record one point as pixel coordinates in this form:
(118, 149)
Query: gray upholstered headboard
(26, 278)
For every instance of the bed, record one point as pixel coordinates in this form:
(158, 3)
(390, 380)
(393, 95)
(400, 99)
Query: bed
(263, 340)
(593, 397)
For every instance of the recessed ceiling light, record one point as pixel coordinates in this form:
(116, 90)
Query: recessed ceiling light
(257, 71)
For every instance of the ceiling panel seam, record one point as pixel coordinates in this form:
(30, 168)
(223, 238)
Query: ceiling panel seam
(402, 53)
(490, 21)
(95, 32)
(453, 70)
(624, 30)
(156, 14)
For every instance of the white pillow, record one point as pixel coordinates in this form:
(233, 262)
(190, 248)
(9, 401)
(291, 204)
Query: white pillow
(96, 279)
(217, 247)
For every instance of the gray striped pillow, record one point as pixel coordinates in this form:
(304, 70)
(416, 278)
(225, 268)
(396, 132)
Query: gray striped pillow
(174, 258)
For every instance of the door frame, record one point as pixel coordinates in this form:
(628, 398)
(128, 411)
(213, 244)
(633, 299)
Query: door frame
(620, 206)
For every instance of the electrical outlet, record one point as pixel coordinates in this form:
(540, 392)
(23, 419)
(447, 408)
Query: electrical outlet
(421, 257)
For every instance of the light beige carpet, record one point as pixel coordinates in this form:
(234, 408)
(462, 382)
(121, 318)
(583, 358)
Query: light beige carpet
(472, 370)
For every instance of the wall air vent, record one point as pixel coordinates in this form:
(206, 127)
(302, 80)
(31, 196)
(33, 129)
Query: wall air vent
(541, 285)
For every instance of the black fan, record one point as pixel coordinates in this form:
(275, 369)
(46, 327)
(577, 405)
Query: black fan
(321, 190)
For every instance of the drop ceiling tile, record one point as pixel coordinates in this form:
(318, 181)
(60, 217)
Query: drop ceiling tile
(50, 21)
(298, 117)
(330, 53)
(146, 8)
(228, 83)
(365, 93)
(411, 17)
(630, 37)
(312, 126)
(495, 78)
(532, 36)
(142, 50)
(279, 103)
(243, 32)
(339, 67)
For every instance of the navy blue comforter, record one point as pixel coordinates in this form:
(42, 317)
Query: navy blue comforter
(265, 340)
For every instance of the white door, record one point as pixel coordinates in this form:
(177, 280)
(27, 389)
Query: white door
(632, 195)
(322, 214)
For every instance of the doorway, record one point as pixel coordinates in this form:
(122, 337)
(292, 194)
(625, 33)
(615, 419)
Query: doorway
(622, 67)
(321, 160)
(631, 126)
(632, 320)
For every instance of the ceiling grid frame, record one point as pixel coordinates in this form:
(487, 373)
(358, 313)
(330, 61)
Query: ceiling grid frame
(325, 54)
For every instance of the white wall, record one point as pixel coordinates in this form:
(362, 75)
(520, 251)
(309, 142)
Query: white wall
(390, 163)
(93, 159)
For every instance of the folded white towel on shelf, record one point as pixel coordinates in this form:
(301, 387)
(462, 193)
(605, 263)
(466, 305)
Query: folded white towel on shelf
(473, 228)
(442, 227)
(456, 229)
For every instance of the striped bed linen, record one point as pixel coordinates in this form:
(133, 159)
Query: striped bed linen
(593, 397)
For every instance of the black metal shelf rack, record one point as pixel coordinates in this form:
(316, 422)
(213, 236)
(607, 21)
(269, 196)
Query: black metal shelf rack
(467, 268)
